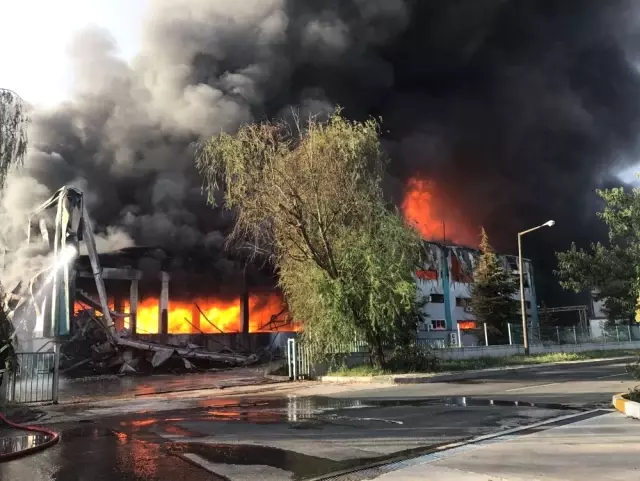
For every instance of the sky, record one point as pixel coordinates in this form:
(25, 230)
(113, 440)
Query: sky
(37, 66)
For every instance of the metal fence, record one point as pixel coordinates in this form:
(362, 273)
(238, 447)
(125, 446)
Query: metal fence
(33, 378)
(298, 360)
(537, 335)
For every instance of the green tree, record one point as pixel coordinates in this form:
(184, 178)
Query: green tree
(609, 271)
(13, 131)
(310, 199)
(492, 292)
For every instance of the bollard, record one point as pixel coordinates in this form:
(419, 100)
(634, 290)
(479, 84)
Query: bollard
(509, 330)
(459, 335)
(486, 337)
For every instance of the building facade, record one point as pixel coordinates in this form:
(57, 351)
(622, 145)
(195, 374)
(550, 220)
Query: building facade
(446, 283)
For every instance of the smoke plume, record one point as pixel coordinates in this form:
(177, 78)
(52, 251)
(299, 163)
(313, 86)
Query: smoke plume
(517, 110)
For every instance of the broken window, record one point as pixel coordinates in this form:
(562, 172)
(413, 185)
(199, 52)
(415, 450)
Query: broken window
(467, 324)
(462, 301)
(458, 271)
(437, 298)
(427, 274)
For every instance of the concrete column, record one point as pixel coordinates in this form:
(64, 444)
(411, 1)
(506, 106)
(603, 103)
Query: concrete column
(133, 306)
(118, 306)
(163, 311)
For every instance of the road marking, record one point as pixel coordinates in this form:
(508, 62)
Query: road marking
(531, 387)
(612, 375)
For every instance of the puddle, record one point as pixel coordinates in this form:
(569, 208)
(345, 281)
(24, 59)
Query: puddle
(16, 444)
(300, 465)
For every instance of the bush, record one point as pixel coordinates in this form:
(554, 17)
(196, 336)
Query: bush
(412, 358)
(634, 370)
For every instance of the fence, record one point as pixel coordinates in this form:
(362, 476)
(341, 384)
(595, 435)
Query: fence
(33, 378)
(298, 363)
(481, 341)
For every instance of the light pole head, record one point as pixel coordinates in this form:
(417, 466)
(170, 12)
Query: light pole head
(549, 223)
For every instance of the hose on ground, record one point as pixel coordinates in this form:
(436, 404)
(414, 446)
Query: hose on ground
(54, 437)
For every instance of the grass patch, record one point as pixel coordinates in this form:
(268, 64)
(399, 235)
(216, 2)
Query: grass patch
(363, 370)
(492, 362)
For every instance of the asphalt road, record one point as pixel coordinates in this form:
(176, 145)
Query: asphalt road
(301, 437)
(577, 385)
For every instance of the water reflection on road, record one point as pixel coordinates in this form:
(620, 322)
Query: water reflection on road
(302, 436)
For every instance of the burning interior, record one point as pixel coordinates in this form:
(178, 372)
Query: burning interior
(141, 307)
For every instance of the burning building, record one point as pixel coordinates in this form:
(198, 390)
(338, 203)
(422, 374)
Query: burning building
(127, 295)
(469, 92)
(446, 283)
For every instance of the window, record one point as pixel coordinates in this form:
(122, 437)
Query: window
(467, 324)
(457, 271)
(437, 298)
(438, 325)
(527, 304)
(462, 301)
(427, 275)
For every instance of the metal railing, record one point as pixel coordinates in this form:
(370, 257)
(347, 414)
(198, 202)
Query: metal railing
(298, 363)
(33, 378)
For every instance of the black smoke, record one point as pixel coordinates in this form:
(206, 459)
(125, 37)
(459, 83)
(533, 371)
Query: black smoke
(518, 109)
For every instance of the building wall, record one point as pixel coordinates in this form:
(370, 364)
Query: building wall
(446, 278)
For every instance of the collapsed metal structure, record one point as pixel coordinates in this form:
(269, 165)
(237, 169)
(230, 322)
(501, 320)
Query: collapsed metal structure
(52, 293)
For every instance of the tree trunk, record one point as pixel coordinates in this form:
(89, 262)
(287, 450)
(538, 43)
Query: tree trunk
(376, 353)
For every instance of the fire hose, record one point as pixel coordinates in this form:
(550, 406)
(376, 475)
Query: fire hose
(54, 437)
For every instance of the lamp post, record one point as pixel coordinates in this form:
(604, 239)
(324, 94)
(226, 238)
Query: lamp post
(523, 309)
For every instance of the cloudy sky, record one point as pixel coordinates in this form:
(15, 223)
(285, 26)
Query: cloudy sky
(39, 32)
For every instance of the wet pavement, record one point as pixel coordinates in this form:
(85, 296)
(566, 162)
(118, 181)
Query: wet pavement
(111, 387)
(266, 439)
(13, 442)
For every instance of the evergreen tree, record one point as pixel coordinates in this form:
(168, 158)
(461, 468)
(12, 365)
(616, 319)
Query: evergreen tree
(492, 293)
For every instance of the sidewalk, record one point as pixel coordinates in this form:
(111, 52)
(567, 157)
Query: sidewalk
(421, 378)
(604, 448)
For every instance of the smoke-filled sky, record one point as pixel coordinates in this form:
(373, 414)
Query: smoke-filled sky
(516, 109)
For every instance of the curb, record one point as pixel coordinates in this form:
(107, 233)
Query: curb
(461, 376)
(626, 407)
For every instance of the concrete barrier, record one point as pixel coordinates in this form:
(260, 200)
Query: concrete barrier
(626, 407)
(475, 352)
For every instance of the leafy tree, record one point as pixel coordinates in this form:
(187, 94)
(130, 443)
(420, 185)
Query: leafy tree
(13, 131)
(492, 292)
(609, 271)
(310, 199)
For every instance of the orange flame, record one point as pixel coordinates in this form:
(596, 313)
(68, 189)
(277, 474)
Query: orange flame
(267, 312)
(422, 209)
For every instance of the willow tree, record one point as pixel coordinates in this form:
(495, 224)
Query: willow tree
(310, 198)
(13, 131)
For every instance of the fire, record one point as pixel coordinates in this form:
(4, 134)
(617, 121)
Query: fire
(422, 207)
(210, 315)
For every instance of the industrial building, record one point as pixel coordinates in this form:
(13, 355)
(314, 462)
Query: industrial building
(446, 283)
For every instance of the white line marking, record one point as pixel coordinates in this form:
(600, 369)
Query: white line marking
(531, 387)
(612, 375)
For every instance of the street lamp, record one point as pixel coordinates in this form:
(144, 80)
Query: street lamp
(523, 309)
